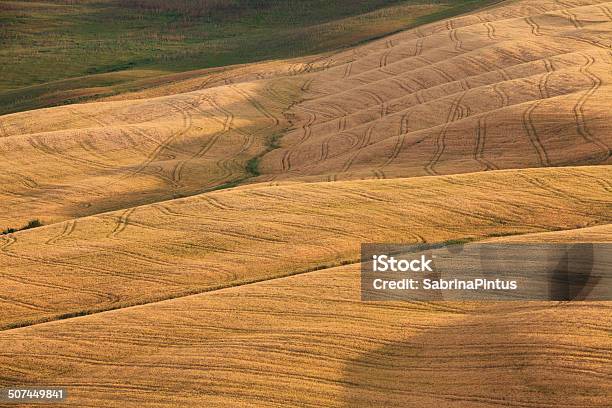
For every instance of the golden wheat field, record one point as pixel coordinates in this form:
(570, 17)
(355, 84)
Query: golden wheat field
(307, 340)
(201, 238)
(442, 99)
(226, 238)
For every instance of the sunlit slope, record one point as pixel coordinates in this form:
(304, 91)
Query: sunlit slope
(190, 81)
(77, 160)
(313, 335)
(230, 237)
(600, 233)
(525, 84)
(56, 52)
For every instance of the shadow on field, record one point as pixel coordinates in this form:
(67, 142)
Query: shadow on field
(494, 357)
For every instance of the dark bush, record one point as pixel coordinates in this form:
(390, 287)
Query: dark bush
(31, 224)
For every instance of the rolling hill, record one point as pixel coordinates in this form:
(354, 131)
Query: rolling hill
(512, 87)
(202, 230)
(104, 156)
(56, 52)
(312, 336)
(484, 91)
(231, 237)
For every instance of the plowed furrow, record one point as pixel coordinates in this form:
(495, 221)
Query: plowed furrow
(480, 133)
(532, 134)
(581, 122)
(68, 229)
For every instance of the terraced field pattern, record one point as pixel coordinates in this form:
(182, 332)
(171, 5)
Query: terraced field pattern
(200, 239)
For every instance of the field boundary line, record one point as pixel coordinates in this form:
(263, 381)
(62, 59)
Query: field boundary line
(220, 287)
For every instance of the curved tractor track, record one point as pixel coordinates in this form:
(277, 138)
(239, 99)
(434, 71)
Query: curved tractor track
(501, 50)
(201, 239)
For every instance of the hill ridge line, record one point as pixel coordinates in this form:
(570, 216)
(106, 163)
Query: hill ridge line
(439, 126)
(440, 85)
(186, 294)
(271, 184)
(75, 315)
(446, 29)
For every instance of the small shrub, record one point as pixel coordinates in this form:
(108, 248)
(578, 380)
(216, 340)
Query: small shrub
(31, 224)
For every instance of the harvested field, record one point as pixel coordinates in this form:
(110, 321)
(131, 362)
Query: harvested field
(201, 232)
(480, 92)
(527, 85)
(227, 238)
(313, 335)
(90, 158)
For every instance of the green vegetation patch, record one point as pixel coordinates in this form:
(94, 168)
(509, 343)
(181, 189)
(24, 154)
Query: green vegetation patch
(45, 42)
(30, 224)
